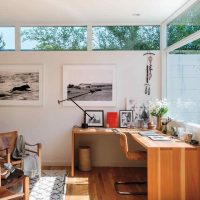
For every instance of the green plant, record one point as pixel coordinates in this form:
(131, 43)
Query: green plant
(158, 108)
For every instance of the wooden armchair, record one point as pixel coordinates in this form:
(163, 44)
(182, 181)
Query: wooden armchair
(133, 155)
(7, 145)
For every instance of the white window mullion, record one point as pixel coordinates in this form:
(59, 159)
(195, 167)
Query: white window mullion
(17, 39)
(163, 45)
(89, 37)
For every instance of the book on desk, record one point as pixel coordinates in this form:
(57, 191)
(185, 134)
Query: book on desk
(148, 133)
(154, 136)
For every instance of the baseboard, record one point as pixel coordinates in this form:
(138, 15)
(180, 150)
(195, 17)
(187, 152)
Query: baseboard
(99, 164)
(119, 164)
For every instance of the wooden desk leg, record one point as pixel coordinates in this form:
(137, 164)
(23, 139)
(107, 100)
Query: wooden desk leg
(26, 188)
(152, 173)
(73, 154)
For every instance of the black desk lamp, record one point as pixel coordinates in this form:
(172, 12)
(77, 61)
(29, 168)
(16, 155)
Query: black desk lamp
(84, 125)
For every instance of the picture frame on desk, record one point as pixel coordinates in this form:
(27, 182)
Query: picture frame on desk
(125, 117)
(97, 118)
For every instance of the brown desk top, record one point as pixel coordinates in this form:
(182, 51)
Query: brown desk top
(144, 141)
(148, 143)
(96, 130)
(92, 130)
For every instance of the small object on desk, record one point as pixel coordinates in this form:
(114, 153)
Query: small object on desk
(159, 138)
(148, 133)
(112, 120)
(151, 125)
(188, 137)
(194, 142)
(174, 131)
(115, 130)
(140, 123)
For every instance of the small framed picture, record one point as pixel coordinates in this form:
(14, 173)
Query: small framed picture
(94, 118)
(125, 117)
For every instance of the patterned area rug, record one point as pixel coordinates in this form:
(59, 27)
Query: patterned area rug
(51, 186)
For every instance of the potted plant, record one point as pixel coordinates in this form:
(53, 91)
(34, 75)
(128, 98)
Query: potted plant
(158, 108)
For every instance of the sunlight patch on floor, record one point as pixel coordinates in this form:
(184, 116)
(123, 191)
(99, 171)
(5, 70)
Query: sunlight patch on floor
(78, 188)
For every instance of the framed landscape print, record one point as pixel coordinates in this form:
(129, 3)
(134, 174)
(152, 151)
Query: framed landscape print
(81, 79)
(21, 85)
(96, 118)
(125, 117)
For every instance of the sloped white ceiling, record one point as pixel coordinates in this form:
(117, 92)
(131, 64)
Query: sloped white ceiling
(86, 11)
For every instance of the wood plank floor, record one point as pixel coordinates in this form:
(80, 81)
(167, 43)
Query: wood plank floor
(98, 184)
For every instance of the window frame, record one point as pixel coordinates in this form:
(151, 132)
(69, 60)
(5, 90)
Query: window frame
(120, 25)
(165, 50)
(14, 49)
(72, 50)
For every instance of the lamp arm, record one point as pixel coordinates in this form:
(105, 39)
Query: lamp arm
(59, 101)
(81, 108)
(71, 99)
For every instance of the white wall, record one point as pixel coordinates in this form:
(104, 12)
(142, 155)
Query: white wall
(52, 123)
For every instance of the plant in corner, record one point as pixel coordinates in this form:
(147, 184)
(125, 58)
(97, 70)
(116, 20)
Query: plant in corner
(158, 108)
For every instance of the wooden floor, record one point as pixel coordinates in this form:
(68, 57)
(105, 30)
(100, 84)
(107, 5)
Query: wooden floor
(98, 184)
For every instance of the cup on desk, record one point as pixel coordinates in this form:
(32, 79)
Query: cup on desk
(188, 137)
(140, 123)
(130, 125)
(181, 133)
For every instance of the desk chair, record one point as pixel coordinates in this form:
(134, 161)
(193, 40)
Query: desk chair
(135, 155)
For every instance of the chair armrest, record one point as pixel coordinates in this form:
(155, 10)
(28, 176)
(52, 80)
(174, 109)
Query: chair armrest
(39, 148)
(8, 154)
(6, 149)
(26, 143)
(38, 152)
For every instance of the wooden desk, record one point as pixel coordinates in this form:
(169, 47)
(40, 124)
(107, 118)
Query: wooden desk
(173, 167)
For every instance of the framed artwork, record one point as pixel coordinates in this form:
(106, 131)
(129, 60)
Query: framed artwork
(21, 85)
(125, 117)
(96, 120)
(140, 108)
(80, 79)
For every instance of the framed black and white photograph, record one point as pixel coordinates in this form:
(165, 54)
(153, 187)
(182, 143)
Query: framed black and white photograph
(99, 81)
(95, 118)
(140, 108)
(21, 85)
(125, 117)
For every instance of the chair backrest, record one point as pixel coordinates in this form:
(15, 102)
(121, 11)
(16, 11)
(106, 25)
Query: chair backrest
(8, 140)
(133, 155)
